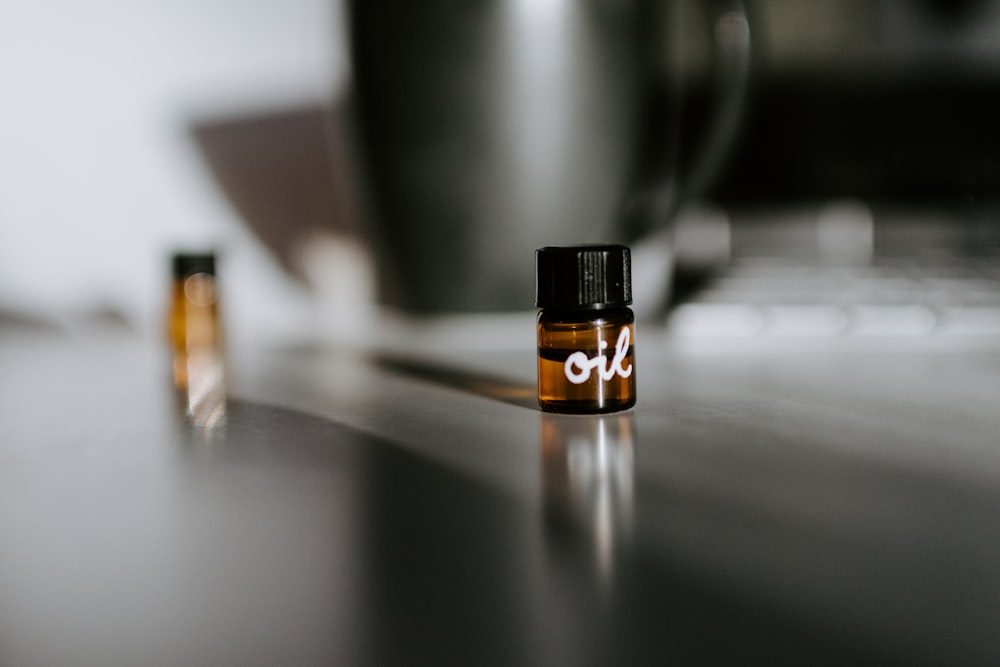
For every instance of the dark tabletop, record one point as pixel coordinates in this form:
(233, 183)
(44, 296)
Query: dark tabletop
(775, 504)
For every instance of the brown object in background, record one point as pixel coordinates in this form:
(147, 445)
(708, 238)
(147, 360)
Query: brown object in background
(287, 173)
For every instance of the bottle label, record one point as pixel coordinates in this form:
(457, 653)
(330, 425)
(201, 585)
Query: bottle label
(579, 366)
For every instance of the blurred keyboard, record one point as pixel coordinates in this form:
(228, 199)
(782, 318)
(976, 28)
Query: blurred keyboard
(884, 299)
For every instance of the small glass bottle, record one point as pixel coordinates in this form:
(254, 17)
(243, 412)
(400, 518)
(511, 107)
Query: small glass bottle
(586, 331)
(193, 320)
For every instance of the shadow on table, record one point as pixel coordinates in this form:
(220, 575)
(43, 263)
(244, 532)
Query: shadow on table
(514, 392)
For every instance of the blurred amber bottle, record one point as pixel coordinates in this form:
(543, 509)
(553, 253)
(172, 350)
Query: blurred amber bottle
(193, 320)
(586, 332)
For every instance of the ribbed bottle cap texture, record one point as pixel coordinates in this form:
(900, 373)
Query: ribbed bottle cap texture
(187, 264)
(583, 276)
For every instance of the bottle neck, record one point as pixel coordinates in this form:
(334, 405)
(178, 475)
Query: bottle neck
(553, 315)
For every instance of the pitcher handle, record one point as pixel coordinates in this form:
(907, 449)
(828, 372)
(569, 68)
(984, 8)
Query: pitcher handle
(733, 50)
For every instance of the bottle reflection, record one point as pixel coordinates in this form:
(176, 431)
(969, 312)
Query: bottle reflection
(201, 393)
(588, 469)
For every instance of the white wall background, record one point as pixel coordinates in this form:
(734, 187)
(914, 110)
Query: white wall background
(99, 179)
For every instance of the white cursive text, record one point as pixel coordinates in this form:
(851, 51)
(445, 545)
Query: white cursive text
(578, 365)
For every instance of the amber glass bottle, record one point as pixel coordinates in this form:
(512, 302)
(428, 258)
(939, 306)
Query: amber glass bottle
(193, 321)
(586, 331)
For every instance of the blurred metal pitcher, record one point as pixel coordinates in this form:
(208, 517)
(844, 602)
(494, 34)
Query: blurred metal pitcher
(491, 128)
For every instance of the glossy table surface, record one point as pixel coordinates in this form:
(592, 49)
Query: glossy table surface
(411, 505)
